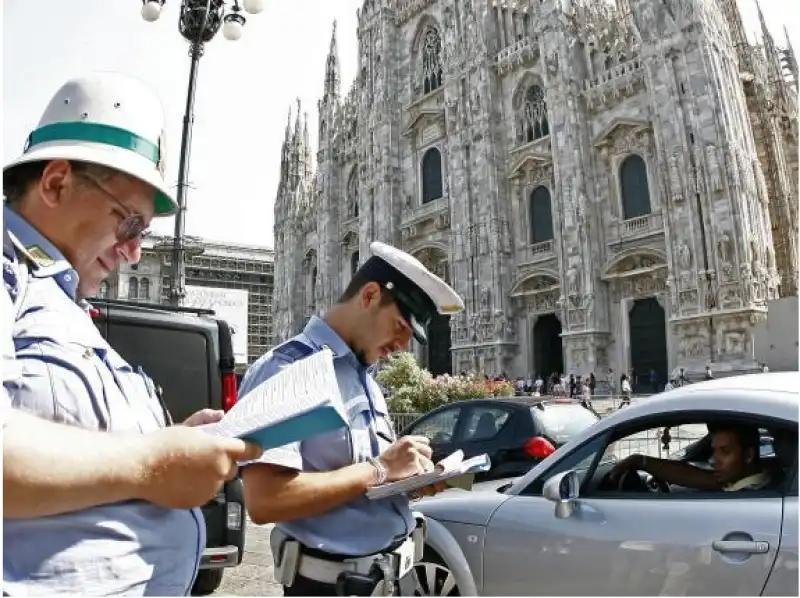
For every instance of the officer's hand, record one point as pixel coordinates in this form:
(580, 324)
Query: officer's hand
(430, 490)
(183, 468)
(408, 456)
(203, 417)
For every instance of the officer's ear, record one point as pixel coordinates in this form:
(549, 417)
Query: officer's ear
(370, 295)
(54, 179)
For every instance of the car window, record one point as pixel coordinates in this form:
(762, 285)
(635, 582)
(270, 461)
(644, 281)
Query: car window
(580, 460)
(484, 422)
(438, 427)
(562, 422)
(688, 442)
(660, 441)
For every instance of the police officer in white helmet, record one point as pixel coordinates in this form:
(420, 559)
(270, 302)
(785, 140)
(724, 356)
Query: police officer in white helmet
(103, 505)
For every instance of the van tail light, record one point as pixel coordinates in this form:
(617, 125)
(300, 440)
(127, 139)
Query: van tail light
(228, 391)
(94, 312)
(538, 447)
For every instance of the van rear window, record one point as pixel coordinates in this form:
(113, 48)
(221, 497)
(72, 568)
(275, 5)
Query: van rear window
(177, 360)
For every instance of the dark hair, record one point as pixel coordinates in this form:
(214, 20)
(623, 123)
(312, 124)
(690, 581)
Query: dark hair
(360, 278)
(749, 437)
(18, 179)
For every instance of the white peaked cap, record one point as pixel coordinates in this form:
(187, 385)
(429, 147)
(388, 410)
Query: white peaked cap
(417, 291)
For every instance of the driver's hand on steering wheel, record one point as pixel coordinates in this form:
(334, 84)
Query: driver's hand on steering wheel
(632, 462)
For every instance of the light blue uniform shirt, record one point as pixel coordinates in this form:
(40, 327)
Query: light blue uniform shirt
(363, 526)
(63, 370)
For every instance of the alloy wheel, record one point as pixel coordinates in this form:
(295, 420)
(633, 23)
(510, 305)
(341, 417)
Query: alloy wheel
(434, 579)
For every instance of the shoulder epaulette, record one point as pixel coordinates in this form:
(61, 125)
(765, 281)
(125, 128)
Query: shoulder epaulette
(9, 250)
(294, 350)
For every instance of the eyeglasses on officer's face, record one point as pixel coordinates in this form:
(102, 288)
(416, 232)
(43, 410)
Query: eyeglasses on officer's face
(132, 225)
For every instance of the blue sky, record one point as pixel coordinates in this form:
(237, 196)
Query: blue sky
(245, 87)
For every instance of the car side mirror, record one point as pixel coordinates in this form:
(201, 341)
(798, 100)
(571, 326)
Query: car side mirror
(563, 489)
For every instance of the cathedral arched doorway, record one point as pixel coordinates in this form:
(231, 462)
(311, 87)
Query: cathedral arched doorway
(435, 356)
(548, 350)
(648, 342)
(438, 347)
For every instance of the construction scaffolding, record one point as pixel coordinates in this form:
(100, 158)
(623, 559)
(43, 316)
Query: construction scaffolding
(237, 268)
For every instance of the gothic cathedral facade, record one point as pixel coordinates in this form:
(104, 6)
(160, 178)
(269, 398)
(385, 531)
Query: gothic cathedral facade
(608, 185)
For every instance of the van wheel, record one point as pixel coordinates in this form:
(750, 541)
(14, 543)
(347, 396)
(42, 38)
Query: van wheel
(434, 578)
(208, 580)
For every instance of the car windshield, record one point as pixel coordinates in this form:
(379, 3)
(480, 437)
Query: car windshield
(561, 422)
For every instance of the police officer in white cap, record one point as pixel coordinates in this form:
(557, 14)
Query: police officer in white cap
(315, 491)
(103, 505)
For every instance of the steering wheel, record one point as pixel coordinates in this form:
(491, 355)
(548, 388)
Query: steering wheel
(658, 485)
(631, 481)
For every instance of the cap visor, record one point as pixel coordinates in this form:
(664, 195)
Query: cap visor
(418, 330)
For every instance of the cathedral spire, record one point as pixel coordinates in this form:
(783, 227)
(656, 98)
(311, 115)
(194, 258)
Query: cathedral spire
(307, 155)
(297, 129)
(790, 59)
(730, 9)
(333, 76)
(285, 152)
(772, 56)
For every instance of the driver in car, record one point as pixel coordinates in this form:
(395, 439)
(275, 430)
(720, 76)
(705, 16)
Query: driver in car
(736, 459)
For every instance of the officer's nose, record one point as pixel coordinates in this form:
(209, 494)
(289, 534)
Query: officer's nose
(130, 251)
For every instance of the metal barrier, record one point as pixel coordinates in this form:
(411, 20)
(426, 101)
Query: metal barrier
(401, 421)
(651, 443)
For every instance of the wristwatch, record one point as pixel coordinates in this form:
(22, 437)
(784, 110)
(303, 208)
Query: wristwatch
(381, 474)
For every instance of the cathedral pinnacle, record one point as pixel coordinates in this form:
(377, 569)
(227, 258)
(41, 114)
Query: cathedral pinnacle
(333, 75)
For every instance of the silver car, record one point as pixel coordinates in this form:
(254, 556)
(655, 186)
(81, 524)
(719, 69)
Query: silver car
(562, 530)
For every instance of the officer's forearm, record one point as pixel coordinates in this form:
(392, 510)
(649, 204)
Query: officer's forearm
(51, 468)
(274, 494)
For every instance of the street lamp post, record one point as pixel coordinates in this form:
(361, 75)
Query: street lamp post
(199, 22)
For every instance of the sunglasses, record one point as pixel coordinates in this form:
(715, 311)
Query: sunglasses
(132, 225)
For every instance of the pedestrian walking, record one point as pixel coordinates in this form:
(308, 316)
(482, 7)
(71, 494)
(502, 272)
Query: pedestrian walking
(315, 491)
(625, 391)
(100, 506)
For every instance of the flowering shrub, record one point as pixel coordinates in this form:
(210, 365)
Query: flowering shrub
(412, 389)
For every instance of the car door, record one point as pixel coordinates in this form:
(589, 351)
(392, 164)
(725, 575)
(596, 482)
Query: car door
(783, 579)
(440, 428)
(638, 544)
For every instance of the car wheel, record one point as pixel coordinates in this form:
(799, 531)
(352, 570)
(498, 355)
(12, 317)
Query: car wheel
(207, 581)
(434, 578)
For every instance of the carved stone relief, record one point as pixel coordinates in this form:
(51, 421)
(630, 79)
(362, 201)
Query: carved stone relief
(640, 286)
(684, 257)
(725, 253)
(544, 302)
(712, 159)
(675, 162)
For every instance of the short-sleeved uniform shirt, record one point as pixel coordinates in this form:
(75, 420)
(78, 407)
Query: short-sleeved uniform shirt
(57, 366)
(362, 526)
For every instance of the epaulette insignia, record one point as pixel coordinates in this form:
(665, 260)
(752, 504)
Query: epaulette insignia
(38, 255)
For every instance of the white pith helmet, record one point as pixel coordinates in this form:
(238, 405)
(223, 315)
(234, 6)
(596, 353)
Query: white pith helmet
(109, 119)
